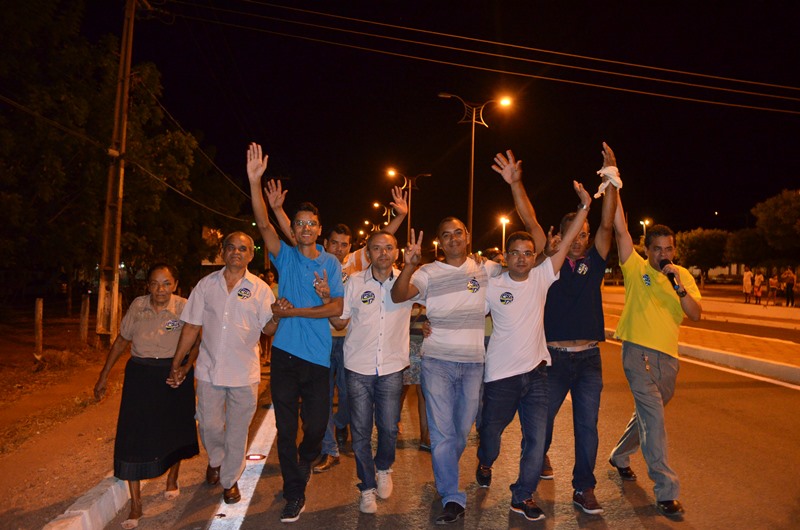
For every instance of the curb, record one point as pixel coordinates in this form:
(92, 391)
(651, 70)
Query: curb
(95, 509)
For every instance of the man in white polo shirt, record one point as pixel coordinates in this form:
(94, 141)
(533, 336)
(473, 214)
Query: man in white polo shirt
(375, 354)
(231, 306)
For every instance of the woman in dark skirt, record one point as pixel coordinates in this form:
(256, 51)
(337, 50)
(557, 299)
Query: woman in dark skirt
(156, 427)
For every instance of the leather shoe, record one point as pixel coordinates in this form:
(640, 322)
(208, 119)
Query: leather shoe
(452, 512)
(325, 463)
(212, 475)
(625, 473)
(670, 508)
(231, 495)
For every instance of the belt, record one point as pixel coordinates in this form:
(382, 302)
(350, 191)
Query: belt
(573, 349)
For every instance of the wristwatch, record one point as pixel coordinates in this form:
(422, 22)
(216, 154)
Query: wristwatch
(681, 293)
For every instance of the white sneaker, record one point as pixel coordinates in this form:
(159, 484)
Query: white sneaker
(368, 502)
(384, 480)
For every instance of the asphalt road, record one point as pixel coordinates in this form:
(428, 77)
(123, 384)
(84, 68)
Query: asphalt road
(733, 442)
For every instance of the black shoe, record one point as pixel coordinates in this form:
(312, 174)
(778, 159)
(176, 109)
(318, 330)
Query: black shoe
(304, 466)
(547, 469)
(483, 475)
(291, 512)
(625, 473)
(670, 508)
(212, 475)
(529, 509)
(325, 463)
(231, 495)
(341, 435)
(452, 512)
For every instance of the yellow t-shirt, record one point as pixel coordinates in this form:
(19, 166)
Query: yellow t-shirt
(652, 311)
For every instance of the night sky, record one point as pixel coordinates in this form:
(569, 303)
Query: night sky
(334, 118)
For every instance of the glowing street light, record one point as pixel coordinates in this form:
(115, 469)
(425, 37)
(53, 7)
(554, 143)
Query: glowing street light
(408, 184)
(645, 223)
(388, 211)
(504, 221)
(473, 113)
(435, 249)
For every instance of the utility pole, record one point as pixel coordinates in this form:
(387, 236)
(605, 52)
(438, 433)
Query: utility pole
(108, 293)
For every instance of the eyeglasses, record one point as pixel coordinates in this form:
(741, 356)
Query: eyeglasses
(517, 253)
(310, 223)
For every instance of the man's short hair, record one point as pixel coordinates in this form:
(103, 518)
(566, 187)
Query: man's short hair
(448, 220)
(520, 236)
(161, 265)
(342, 230)
(307, 207)
(377, 233)
(562, 228)
(658, 231)
(234, 234)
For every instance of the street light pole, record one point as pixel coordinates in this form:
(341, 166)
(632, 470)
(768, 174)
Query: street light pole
(504, 221)
(473, 113)
(408, 183)
(644, 224)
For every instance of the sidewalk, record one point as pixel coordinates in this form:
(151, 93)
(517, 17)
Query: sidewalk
(767, 356)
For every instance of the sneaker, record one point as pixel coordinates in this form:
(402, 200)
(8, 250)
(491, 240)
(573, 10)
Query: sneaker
(291, 512)
(452, 512)
(529, 509)
(385, 486)
(483, 475)
(670, 508)
(368, 503)
(586, 501)
(547, 469)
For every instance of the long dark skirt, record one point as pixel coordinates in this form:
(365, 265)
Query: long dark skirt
(156, 426)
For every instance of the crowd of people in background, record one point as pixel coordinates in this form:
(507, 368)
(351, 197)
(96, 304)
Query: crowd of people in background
(779, 284)
(349, 325)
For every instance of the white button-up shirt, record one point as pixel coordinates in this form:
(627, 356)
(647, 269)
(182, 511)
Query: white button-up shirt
(232, 323)
(377, 338)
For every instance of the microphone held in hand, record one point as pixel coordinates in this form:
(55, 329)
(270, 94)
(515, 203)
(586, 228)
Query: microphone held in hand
(670, 275)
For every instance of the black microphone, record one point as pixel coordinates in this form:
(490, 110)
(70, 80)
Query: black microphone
(670, 275)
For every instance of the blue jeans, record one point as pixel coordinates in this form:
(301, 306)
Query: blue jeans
(342, 416)
(651, 376)
(379, 397)
(451, 399)
(525, 394)
(580, 374)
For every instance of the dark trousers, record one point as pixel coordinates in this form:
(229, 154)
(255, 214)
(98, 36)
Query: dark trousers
(294, 379)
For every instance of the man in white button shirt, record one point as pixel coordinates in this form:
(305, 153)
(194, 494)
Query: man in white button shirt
(231, 306)
(375, 355)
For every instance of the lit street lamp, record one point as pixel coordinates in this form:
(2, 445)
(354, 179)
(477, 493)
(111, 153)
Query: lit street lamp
(504, 221)
(408, 184)
(645, 223)
(387, 211)
(473, 113)
(435, 249)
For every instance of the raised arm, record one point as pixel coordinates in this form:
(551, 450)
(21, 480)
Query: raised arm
(575, 226)
(403, 289)
(511, 171)
(256, 165)
(275, 197)
(624, 240)
(400, 209)
(602, 238)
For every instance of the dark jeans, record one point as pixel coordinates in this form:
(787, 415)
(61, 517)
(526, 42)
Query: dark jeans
(789, 294)
(294, 379)
(580, 374)
(525, 394)
(379, 397)
(342, 416)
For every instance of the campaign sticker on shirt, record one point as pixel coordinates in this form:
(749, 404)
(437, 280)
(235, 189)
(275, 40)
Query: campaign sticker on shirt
(506, 298)
(244, 293)
(473, 286)
(646, 279)
(172, 325)
(367, 297)
(582, 268)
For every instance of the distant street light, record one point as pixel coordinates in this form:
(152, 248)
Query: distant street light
(473, 113)
(435, 249)
(388, 211)
(645, 223)
(408, 184)
(504, 221)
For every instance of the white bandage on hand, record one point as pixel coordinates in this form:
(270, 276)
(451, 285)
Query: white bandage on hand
(611, 176)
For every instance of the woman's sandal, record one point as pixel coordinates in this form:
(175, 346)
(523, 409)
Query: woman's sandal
(130, 524)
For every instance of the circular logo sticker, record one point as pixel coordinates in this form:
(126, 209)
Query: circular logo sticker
(582, 269)
(172, 325)
(506, 298)
(367, 297)
(244, 293)
(473, 286)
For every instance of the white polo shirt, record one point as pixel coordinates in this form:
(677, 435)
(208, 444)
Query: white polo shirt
(232, 324)
(455, 298)
(518, 343)
(377, 338)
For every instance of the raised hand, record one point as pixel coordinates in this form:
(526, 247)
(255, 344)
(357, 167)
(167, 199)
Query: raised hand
(275, 194)
(553, 242)
(399, 201)
(321, 285)
(413, 254)
(584, 196)
(256, 166)
(509, 168)
(608, 156)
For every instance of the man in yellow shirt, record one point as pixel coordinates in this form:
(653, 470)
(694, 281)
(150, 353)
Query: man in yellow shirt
(658, 294)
